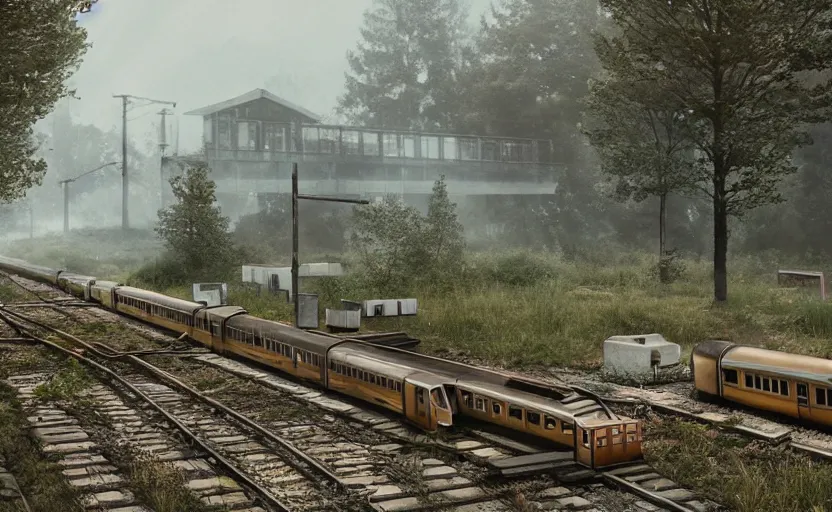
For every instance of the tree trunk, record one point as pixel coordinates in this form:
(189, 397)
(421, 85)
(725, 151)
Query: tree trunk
(720, 247)
(664, 271)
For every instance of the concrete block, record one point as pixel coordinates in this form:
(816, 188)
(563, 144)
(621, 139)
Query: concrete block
(343, 319)
(389, 307)
(634, 354)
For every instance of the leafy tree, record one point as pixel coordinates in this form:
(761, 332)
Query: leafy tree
(404, 71)
(42, 46)
(639, 133)
(193, 229)
(443, 237)
(736, 66)
(387, 237)
(397, 245)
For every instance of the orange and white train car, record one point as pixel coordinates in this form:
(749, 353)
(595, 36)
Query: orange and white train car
(790, 384)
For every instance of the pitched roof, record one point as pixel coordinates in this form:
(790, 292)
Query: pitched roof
(256, 94)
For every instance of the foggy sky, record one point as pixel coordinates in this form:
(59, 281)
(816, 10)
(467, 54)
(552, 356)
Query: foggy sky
(199, 52)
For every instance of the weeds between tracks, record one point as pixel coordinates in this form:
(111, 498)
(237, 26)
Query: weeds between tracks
(741, 474)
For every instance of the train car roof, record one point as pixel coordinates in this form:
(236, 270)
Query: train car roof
(298, 338)
(105, 284)
(221, 312)
(75, 277)
(159, 299)
(14, 262)
(451, 370)
(586, 409)
(782, 363)
(348, 355)
(712, 348)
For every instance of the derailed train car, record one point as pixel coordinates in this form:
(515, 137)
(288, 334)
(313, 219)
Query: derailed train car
(428, 391)
(790, 384)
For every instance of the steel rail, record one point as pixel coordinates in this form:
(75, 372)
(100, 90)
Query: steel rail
(318, 467)
(647, 495)
(264, 493)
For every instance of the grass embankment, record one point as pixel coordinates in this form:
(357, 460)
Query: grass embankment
(111, 252)
(744, 476)
(521, 309)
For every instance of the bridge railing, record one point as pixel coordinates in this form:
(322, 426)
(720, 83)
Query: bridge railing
(369, 143)
(253, 140)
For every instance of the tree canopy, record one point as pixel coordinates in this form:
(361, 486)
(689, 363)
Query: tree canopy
(193, 229)
(738, 68)
(42, 46)
(405, 69)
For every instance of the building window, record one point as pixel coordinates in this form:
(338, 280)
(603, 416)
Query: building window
(208, 130)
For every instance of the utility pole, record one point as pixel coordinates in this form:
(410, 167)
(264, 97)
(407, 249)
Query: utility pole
(65, 186)
(163, 139)
(125, 223)
(295, 197)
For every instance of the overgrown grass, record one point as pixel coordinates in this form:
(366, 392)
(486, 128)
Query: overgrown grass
(40, 479)
(66, 384)
(740, 475)
(519, 308)
(161, 486)
(112, 252)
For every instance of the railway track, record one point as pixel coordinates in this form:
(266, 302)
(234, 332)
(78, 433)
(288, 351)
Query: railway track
(371, 454)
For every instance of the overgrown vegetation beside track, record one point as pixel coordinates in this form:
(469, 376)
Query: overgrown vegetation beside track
(744, 476)
(40, 479)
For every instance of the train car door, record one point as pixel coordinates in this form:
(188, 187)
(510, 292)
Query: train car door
(417, 407)
(803, 410)
(584, 445)
(426, 401)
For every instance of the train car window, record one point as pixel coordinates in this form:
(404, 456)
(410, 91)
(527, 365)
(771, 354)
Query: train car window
(382, 382)
(749, 380)
(757, 383)
(775, 386)
(766, 384)
(784, 388)
(372, 378)
(399, 386)
(631, 438)
(602, 442)
(566, 428)
(550, 423)
(617, 440)
(730, 376)
(829, 397)
(515, 412)
(420, 395)
(496, 408)
(820, 396)
(467, 399)
(533, 418)
(585, 439)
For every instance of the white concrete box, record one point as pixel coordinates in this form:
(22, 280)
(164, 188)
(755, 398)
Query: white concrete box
(343, 318)
(635, 354)
(389, 307)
